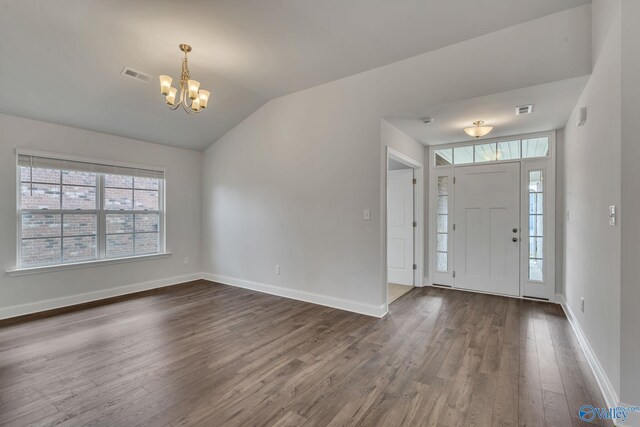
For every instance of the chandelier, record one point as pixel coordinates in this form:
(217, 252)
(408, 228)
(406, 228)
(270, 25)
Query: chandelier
(192, 98)
(478, 130)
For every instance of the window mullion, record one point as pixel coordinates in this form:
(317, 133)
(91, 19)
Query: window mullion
(102, 221)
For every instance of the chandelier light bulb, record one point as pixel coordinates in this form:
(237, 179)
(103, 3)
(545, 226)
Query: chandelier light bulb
(165, 84)
(171, 96)
(204, 98)
(196, 104)
(193, 88)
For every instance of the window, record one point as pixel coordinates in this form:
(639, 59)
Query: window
(442, 225)
(71, 211)
(444, 157)
(536, 226)
(493, 152)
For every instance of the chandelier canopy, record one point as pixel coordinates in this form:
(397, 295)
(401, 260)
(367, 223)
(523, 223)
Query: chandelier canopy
(192, 98)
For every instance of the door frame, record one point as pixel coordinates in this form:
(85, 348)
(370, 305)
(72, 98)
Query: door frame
(527, 289)
(418, 208)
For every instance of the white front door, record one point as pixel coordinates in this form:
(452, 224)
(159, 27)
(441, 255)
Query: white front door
(487, 228)
(400, 227)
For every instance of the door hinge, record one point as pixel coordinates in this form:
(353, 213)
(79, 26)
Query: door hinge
(454, 179)
(454, 227)
(414, 181)
(415, 266)
(415, 224)
(454, 273)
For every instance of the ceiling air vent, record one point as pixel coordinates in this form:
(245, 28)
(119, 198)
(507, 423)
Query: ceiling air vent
(524, 109)
(134, 74)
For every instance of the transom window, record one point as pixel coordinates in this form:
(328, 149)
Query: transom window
(493, 151)
(73, 211)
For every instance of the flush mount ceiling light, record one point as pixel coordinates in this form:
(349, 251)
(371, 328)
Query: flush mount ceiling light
(192, 98)
(478, 130)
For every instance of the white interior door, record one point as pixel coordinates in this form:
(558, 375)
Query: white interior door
(487, 228)
(400, 227)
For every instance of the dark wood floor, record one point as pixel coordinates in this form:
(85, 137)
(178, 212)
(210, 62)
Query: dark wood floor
(208, 354)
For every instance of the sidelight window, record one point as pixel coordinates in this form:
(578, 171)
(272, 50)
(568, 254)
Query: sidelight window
(536, 226)
(442, 225)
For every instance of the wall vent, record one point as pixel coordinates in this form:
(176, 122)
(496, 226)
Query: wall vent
(135, 74)
(524, 109)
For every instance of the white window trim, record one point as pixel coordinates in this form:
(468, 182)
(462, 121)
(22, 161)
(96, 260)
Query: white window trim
(84, 264)
(549, 134)
(101, 215)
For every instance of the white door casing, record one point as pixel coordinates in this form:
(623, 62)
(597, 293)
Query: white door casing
(487, 211)
(400, 213)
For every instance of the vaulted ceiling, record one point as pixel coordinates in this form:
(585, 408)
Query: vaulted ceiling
(60, 61)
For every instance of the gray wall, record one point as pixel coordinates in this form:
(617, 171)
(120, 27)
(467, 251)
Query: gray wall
(183, 201)
(328, 138)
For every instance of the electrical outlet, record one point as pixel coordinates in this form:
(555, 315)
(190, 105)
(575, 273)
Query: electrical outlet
(276, 269)
(366, 215)
(566, 215)
(186, 260)
(582, 304)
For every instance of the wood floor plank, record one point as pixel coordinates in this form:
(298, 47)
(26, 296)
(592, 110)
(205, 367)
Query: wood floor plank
(209, 354)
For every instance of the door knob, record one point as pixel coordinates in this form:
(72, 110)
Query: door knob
(515, 239)
(515, 230)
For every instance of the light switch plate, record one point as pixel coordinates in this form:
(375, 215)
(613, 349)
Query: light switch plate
(612, 215)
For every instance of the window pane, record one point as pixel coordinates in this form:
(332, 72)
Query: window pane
(40, 225)
(444, 157)
(485, 153)
(463, 155)
(443, 185)
(121, 181)
(535, 225)
(147, 222)
(46, 175)
(536, 247)
(508, 150)
(40, 252)
(80, 224)
(442, 244)
(119, 245)
(535, 147)
(79, 248)
(41, 196)
(442, 224)
(78, 197)
(146, 183)
(146, 243)
(146, 200)
(443, 202)
(118, 199)
(79, 178)
(535, 270)
(441, 261)
(25, 174)
(119, 223)
(536, 204)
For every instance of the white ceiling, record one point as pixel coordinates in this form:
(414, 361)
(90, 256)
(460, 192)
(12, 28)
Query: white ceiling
(552, 106)
(61, 60)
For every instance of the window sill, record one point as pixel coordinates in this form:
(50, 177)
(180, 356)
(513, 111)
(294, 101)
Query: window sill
(74, 266)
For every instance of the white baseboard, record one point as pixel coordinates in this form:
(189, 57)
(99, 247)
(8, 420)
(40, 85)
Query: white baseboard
(339, 303)
(425, 281)
(606, 388)
(44, 305)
